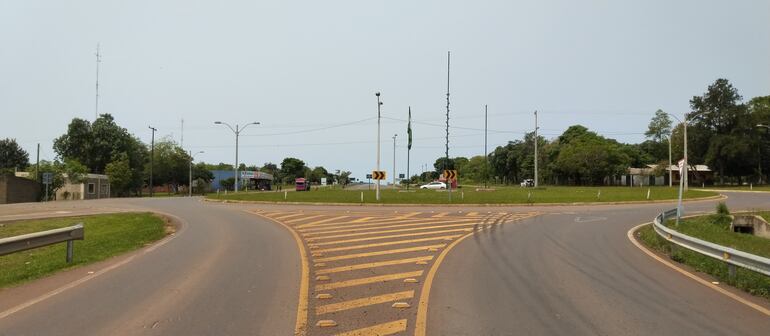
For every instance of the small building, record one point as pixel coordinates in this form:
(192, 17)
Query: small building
(15, 189)
(94, 186)
(697, 174)
(250, 180)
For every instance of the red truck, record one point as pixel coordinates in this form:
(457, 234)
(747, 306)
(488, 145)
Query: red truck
(301, 184)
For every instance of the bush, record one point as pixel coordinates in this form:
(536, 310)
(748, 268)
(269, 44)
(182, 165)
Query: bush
(722, 210)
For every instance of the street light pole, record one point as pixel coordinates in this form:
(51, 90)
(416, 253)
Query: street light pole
(686, 163)
(670, 171)
(536, 127)
(152, 156)
(237, 132)
(189, 186)
(394, 160)
(379, 104)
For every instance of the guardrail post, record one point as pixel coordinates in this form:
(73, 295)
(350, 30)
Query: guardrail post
(731, 270)
(70, 250)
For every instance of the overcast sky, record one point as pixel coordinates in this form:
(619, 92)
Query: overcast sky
(300, 68)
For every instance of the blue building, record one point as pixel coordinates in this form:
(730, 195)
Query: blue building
(250, 180)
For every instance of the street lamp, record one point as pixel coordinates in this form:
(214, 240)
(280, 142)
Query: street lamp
(189, 186)
(379, 104)
(686, 168)
(394, 160)
(237, 132)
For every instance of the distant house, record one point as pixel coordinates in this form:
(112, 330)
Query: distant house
(15, 189)
(250, 180)
(697, 174)
(94, 186)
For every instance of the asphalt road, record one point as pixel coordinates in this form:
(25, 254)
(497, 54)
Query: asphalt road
(572, 271)
(226, 273)
(568, 270)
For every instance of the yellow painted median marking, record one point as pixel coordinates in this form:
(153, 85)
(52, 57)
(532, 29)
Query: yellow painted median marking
(364, 281)
(398, 242)
(377, 253)
(439, 215)
(366, 227)
(392, 236)
(323, 221)
(363, 302)
(314, 239)
(470, 214)
(282, 218)
(361, 220)
(326, 323)
(303, 218)
(372, 265)
(384, 329)
(347, 225)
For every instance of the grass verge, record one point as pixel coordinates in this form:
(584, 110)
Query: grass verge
(712, 228)
(105, 236)
(507, 195)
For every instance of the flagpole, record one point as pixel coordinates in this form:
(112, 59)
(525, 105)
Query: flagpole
(408, 147)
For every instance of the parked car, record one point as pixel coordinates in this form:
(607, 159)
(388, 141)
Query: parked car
(434, 185)
(528, 183)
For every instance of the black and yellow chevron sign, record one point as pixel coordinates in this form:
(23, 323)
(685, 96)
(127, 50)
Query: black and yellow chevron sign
(450, 174)
(378, 175)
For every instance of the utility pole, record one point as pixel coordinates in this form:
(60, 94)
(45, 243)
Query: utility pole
(237, 132)
(379, 115)
(670, 171)
(446, 159)
(152, 156)
(486, 155)
(686, 163)
(536, 127)
(98, 60)
(37, 164)
(409, 149)
(394, 160)
(181, 142)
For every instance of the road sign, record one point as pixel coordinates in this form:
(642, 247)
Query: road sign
(47, 178)
(681, 165)
(401, 176)
(378, 175)
(369, 176)
(450, 175)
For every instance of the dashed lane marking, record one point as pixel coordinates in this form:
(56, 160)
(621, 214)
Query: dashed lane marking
(363, 302)
(378, 253)
(372, 265)
(398, 242)
(384, 329)
(364, 281)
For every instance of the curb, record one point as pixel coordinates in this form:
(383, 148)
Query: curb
(708, 198)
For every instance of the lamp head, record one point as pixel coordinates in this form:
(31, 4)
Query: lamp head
(217, 123)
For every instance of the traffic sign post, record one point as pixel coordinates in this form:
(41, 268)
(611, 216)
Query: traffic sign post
(47, 180)
(682, 170)
(369, 184)
(449, 176)
(379, 175)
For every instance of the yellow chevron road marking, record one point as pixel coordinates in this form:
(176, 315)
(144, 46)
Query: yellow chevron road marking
(373, 227)
(378, 253)
(384, 329)
(391, 236)
(399, 242)
(373, 265)
(364, 281)
(314, 239)
(363, 302)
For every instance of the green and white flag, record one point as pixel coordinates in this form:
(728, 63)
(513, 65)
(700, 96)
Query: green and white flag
(409, 129)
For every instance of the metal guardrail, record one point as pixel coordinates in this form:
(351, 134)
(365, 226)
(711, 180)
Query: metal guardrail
(43, 238)
(729, 255)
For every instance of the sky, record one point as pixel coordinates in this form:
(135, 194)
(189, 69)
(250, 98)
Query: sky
(308, 71)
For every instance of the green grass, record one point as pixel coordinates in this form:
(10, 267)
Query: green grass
(508, 195)
(105, 236)
(715, 229)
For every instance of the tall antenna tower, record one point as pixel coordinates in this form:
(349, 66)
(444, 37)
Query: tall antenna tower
(98, 60)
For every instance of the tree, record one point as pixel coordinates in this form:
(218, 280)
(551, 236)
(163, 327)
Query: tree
(12, 156)
(171, 164)
(95, 145)
(292, 168)
(120, 175)
(317, 174)
(70, 171)
(659, 127)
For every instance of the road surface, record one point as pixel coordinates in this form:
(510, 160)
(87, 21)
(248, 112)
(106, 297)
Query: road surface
(237, 270)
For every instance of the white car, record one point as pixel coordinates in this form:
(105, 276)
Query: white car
(434, 185)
